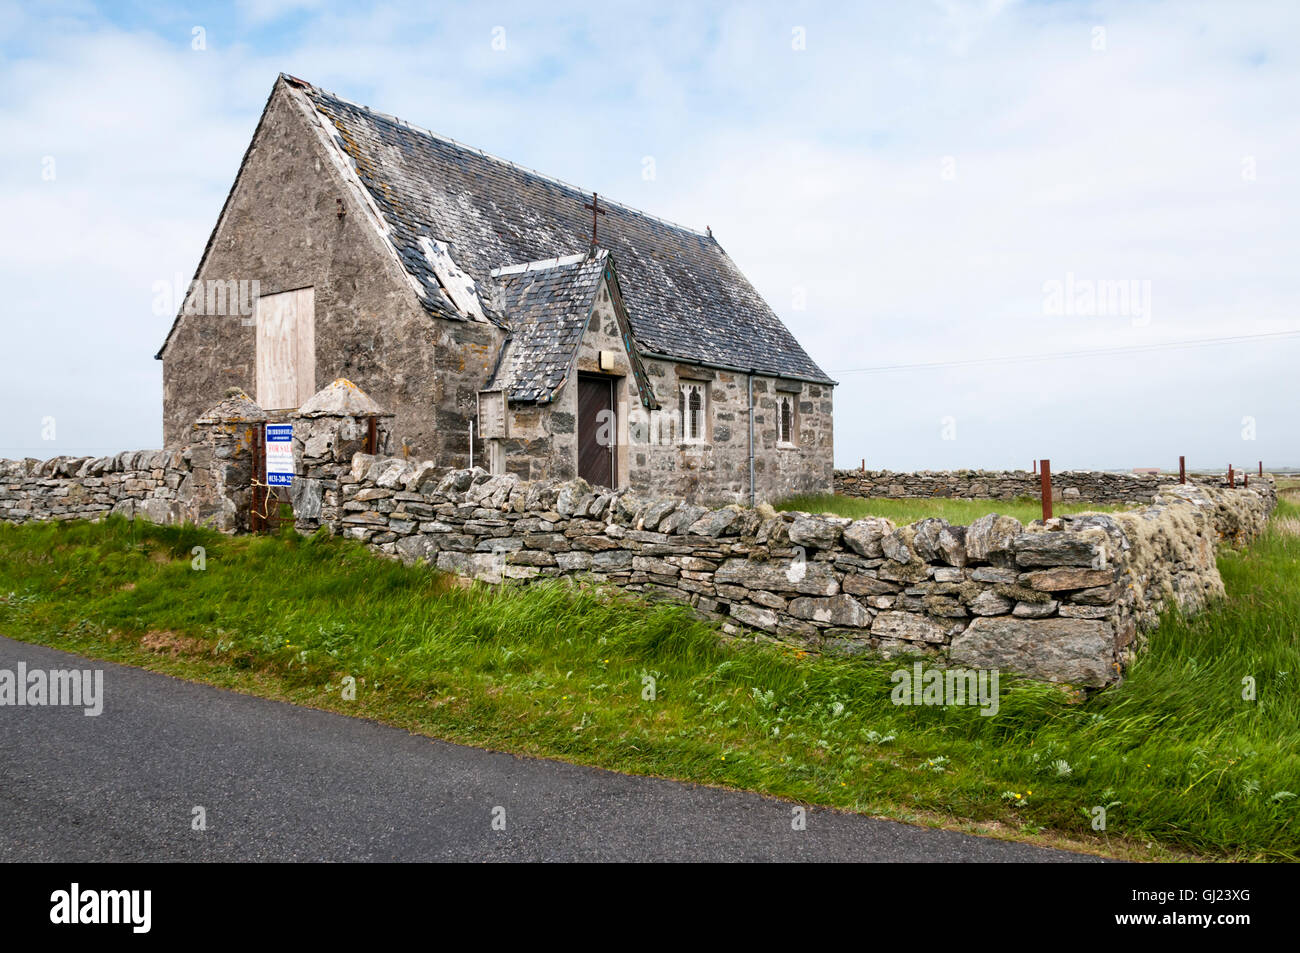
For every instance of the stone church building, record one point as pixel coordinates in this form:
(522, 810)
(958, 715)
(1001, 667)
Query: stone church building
(466, 295)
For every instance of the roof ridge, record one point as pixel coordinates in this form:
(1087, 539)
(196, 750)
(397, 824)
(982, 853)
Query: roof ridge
(542, 264)
(297, 81)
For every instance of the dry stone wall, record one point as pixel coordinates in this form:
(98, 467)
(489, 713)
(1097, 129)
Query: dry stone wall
(209, 481)
(1063, 601)
(206, 482)
(1069, 600)
(1091, 486)
(87, 488)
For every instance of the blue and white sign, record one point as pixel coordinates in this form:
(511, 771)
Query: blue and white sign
(279, 454)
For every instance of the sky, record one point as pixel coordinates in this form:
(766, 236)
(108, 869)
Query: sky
(988, 221)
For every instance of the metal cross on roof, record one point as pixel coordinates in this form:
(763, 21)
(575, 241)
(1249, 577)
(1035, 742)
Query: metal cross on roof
(594, 205)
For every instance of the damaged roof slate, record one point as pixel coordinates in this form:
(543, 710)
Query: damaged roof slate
(684, 296)
(548, 304)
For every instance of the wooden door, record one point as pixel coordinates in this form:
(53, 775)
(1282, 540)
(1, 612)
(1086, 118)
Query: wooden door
(597, 430)
(286, 349)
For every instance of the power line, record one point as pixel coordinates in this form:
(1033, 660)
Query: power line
(1021, 358)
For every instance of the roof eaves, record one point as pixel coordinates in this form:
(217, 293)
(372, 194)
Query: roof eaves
(761, 371)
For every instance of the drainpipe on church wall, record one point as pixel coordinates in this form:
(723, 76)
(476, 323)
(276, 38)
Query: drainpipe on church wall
(471, 444)
(750, 380)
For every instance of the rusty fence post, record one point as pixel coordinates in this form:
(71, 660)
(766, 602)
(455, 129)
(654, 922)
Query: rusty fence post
(1035, 466)
(256, 518)
(1245, 480)
(1261, 468)
(1046, 483)
(1232, 479)
(1182, 469)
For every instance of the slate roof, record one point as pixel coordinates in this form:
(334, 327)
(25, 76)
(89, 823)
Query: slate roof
(548, 304)
(684, 297)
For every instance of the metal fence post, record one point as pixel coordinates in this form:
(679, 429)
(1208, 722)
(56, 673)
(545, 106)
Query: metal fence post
(1046, 483)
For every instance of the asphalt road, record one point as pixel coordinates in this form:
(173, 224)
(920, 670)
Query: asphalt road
(280, 782)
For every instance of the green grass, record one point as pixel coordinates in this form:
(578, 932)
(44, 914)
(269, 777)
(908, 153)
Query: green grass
(958, 512)
(1186, 766)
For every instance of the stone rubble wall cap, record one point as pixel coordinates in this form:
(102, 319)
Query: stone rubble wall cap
(342, 398)
(236, 405)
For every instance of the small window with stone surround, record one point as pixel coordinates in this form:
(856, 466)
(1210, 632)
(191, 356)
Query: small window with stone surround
(695, 411)
(787, 421)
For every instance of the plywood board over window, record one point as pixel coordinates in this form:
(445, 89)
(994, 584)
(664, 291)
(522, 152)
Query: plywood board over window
(286, 349)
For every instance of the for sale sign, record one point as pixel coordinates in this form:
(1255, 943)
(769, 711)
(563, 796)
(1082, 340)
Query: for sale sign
(279, 454)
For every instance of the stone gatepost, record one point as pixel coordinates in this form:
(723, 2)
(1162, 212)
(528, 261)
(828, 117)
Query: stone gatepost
(337, 423)
(217, 491)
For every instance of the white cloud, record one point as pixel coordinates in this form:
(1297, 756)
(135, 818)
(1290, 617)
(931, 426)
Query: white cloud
(820, 168)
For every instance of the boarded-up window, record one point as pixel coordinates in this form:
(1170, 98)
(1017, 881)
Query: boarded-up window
(286, 349)
(492, 414)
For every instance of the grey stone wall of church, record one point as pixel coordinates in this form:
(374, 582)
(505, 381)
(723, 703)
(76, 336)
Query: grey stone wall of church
(282, 229)
(717, 471)
(543, 442)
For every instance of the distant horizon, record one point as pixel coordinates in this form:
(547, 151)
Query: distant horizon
(1250, 469)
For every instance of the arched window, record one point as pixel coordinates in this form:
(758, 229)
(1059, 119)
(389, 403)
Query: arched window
(787, 423)
(694, 409)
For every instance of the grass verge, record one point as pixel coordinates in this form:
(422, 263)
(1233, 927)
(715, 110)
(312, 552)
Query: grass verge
(1183, 765)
